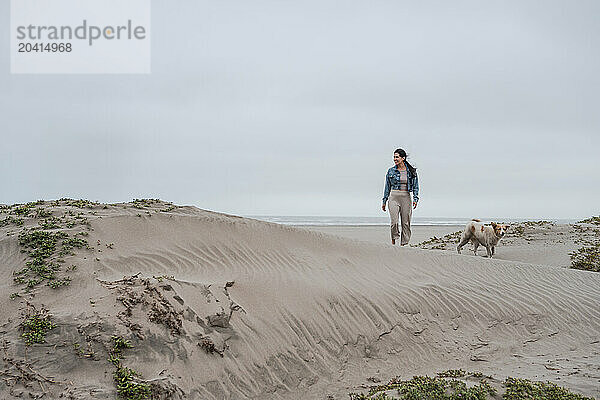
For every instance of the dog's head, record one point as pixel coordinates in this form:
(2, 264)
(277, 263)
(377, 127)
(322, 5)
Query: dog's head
(499, 229)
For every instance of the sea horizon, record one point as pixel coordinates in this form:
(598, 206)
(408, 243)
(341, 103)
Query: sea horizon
(384, 220)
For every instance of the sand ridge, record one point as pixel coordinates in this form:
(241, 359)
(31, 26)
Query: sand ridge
(219, 306)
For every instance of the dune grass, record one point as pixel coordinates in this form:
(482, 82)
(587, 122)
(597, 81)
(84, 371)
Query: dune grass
(35, 326)
(458, 384)
(127, 380)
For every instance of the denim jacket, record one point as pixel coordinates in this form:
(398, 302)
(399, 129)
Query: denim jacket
(392, 181)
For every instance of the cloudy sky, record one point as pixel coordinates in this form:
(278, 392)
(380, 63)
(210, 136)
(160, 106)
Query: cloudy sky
(295, 108)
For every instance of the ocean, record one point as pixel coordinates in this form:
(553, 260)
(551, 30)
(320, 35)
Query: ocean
(384, 220)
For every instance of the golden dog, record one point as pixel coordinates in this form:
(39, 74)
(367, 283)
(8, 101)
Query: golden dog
(480, 234)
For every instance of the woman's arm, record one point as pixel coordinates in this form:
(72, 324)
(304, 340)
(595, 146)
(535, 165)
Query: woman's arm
(386, 191)
(415, 189)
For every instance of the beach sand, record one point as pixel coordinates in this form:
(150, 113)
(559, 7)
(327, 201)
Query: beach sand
(548, 244)
(381, 234)
(224, 307)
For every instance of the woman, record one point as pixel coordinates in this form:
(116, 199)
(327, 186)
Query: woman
(400, 181)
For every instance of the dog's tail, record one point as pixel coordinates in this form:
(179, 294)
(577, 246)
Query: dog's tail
(476, 220)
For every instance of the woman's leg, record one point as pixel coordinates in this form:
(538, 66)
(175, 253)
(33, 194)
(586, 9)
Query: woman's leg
(394, 209)
(405, 216)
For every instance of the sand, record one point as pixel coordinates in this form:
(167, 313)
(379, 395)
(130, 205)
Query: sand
(545, 243)
(381, 234)
(224, 307)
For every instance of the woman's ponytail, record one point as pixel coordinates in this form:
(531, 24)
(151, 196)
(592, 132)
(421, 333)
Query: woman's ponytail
(412, 169)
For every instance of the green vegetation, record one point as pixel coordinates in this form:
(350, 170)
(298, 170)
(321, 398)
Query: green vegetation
(586, 258)
(119, 344)
(517, 389)
(41, 247)
(518, 230)
(35, 327)
(425, 387)
(209, 346)
(41, 243)
(436, 243)
(591, 220)
(22, 211)
(38, 268)
(162, 277)
(43, 213)
(129, 385)
(69, 243)
(144, 203)
(452, 385)
(11, 220)
(50, 223)
(452, 373)
(56, 283)
(81, 203)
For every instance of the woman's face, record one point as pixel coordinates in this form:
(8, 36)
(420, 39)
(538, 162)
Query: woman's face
(397, 159)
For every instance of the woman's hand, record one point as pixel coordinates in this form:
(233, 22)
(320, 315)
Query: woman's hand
(414, 204)
(383, 207)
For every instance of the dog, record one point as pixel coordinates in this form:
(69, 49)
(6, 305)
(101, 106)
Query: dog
(480, 234)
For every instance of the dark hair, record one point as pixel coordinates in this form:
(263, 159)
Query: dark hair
(402, 153)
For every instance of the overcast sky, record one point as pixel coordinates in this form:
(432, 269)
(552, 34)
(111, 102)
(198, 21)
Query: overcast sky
(295, 108)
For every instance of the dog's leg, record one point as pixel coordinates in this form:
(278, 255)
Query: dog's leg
(493, 249)
(463, 240)
(489, 251)
(475, 243)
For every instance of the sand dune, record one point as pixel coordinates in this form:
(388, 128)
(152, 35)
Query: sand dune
(221, 307)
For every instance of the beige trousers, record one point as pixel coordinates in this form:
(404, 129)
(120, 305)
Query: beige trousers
(400, 204)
